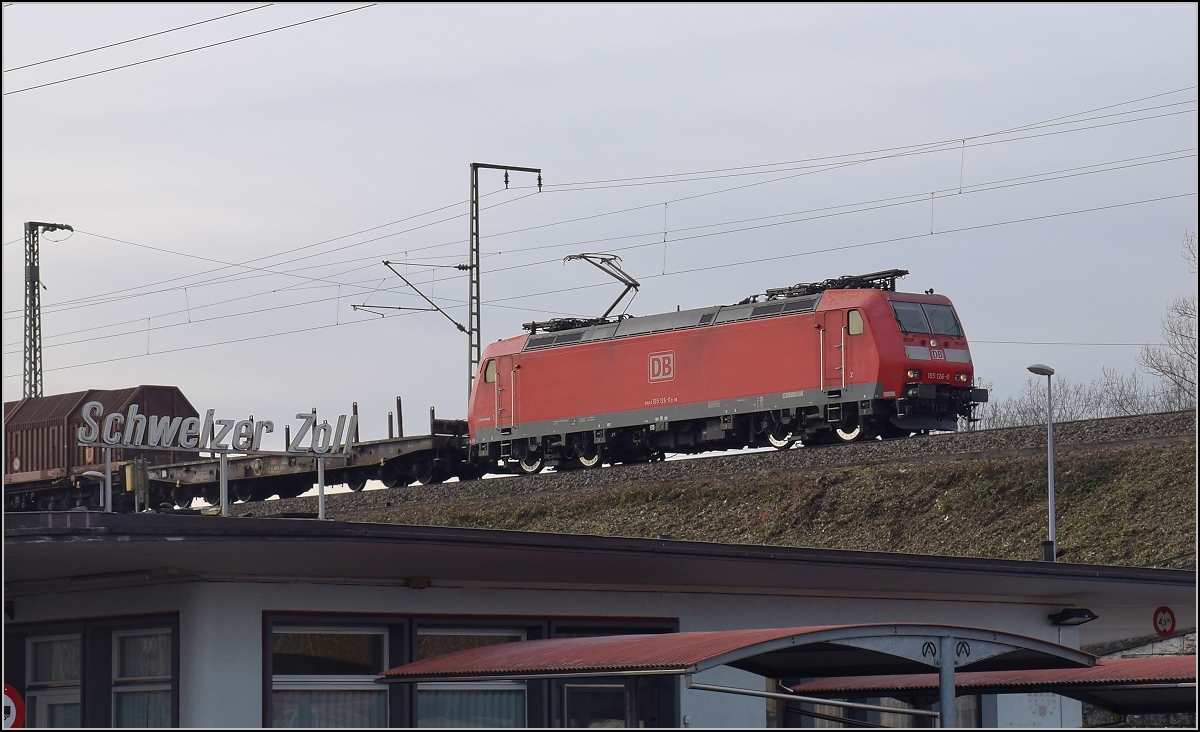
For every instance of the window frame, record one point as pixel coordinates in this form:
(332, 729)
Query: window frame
(324, 682)
(854, 317)
(41, 694)
(96, 687)
(518, 632)
(667, 701)
(900, 321)
(38, 700)
(948, 310)
(489, 371)
(30, 684)
(131, 684)
(542, 705)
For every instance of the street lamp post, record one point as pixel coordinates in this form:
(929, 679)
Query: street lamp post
(1048, 547)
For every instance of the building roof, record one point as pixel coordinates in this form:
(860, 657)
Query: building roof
(77, 549)
(1149, 684)
(771, 652)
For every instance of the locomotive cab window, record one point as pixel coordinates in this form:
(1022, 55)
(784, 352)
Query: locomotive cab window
(911, 317)
(854, 322)
(489, 372)
(942, 320)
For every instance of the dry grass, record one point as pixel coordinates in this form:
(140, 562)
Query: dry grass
(1130, 505)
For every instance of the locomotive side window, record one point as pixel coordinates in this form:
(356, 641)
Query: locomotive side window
(854, 322)
(489, 372)
(911, 317)
(942, 320)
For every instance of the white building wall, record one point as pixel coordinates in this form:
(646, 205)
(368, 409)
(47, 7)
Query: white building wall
(221, 631)
(220, 656)
(1024, 711)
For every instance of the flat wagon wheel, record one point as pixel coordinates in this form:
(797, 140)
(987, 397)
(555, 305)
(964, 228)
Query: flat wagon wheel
(182, 496)
(356, 484)
(211, 492)
(241, 490)
(427, 472)
(393, 480)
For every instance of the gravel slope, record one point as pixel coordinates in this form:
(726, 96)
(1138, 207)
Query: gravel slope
(1126, 494)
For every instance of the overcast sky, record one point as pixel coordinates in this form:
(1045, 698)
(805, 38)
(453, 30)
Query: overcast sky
(245, 195)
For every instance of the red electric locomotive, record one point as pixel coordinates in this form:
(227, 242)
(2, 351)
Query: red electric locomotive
(835, 361)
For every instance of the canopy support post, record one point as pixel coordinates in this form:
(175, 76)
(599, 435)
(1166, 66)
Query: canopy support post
(631, 702)
(946, 698)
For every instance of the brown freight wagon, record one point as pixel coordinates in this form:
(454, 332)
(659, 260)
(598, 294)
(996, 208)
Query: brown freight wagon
(40, 450)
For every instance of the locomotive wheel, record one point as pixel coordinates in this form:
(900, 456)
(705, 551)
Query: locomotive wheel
(531, 463)
(470, 473)
(591, 458)
(892, 432)
(848, 435)
(780, 437)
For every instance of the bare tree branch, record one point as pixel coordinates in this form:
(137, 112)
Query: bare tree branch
(1175, 362)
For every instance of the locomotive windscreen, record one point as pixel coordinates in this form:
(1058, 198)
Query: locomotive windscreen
(942, 320)
(917, 318)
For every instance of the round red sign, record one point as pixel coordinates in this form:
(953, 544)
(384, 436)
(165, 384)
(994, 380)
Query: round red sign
(14, 708)
(1164, 621)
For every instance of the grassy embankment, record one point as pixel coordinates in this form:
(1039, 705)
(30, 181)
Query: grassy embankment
(1129, 505)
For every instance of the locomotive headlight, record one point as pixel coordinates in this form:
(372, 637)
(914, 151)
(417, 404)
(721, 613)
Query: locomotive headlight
(962, 378)
(914, 373)
(933, 342)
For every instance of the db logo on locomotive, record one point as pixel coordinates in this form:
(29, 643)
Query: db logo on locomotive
(662, 366)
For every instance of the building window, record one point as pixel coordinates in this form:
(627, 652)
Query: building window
(141, 678)
(325, 677)
(593, 704)
(468, 704)
(602, 701)
(52, 680)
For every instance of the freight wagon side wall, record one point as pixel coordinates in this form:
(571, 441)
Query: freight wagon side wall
(50, 444)
(37, 446)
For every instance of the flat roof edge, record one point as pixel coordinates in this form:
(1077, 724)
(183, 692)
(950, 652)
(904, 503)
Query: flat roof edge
(41, 527)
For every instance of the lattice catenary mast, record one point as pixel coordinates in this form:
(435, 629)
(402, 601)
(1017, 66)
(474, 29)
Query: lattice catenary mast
(474, 343)
(32, 386)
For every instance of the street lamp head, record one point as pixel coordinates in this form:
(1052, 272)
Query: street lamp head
(1041, 369)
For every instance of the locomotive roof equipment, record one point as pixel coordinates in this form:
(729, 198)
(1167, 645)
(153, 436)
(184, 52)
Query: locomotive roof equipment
(606, 263)
(885, 280)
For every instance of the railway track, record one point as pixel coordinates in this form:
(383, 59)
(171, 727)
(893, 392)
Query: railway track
(1165, 428)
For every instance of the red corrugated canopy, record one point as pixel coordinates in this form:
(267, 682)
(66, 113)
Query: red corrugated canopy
(658, 652)
(776, 652)
(1148, 669)
(1150, 684)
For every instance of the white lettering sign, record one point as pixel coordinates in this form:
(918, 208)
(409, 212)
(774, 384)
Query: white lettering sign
(132, 429)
